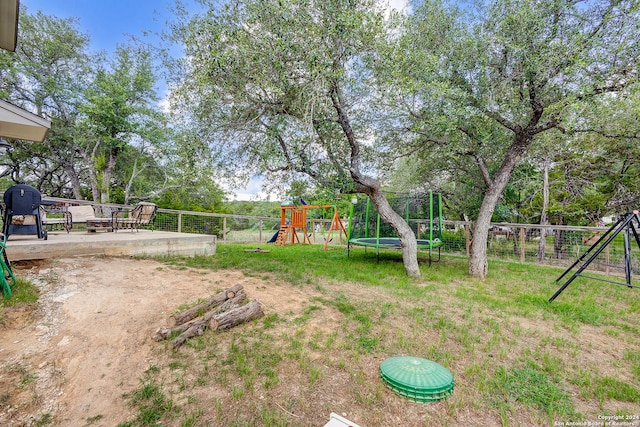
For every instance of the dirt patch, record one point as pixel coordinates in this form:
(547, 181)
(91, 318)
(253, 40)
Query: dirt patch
(89, 340)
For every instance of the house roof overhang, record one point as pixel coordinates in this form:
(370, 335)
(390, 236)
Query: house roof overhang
(9, 10)
(17, 123)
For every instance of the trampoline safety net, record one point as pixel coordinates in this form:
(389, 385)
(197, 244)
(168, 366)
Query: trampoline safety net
(423, 213)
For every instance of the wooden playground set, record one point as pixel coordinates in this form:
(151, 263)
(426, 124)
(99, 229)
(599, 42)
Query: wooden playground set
(296, 219)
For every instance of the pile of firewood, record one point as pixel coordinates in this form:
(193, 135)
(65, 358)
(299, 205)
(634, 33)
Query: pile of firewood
(224, 310)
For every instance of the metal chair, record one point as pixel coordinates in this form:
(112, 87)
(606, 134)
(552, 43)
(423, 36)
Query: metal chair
(141, 215)
(22, 211)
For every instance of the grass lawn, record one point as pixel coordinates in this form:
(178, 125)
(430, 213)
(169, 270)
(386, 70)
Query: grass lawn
(516, 359)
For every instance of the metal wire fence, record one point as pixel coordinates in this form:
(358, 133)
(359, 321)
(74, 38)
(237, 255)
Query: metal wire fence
(558, 245)
(237, 228)
(530, 243)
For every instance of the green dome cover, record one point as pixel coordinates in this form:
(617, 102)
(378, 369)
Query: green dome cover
(417, 379)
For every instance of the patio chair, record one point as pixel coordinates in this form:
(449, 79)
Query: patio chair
(60, 218)
(140, 216)
(22, 211)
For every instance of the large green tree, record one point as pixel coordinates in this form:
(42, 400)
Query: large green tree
(119, 111)
(486, 82)
(47, 75)
(284, 88)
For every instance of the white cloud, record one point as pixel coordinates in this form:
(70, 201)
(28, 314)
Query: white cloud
(164, 105)
(401, 6)
(251, 191)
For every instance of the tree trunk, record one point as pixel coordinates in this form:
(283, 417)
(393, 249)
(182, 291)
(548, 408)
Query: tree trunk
(106, 178)
(105, 184)
(371, 187)
(75, 183)
(478, 264)
(134, 174)
(405, 233)
(544, 219)
(89, 157)
(93, 180)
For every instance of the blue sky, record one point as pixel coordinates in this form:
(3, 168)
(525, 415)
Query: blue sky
(109, 22)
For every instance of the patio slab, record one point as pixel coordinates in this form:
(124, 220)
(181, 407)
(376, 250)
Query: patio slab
(122, 243)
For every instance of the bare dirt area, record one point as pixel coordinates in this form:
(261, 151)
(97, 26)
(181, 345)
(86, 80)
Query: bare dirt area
(89, 339)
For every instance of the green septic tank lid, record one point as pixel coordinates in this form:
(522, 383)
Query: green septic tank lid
(417, 379)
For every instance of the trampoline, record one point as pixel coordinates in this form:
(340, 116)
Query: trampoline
(393, 242)
(423, 213)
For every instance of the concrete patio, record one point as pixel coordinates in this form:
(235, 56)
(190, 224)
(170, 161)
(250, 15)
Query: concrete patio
(122, 243)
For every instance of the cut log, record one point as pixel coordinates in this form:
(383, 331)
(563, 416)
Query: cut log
(200, 309)
(231, 318)
(199, 325)
(236, 301)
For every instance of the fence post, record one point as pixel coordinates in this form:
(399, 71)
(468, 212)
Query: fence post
(522, 239)
(467, 238)
(607, 259)
(180, 222)
(224, 229)
(260, 231)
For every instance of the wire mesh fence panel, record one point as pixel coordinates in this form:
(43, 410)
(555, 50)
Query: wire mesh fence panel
(454, 239)
(228, 228)
(166, 221)
(562, 246)
(249, 230)
(550, 245)
(198, 224)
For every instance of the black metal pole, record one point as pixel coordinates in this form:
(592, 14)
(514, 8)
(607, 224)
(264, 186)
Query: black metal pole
(635, 233)
(627, 254)
(626, 221)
